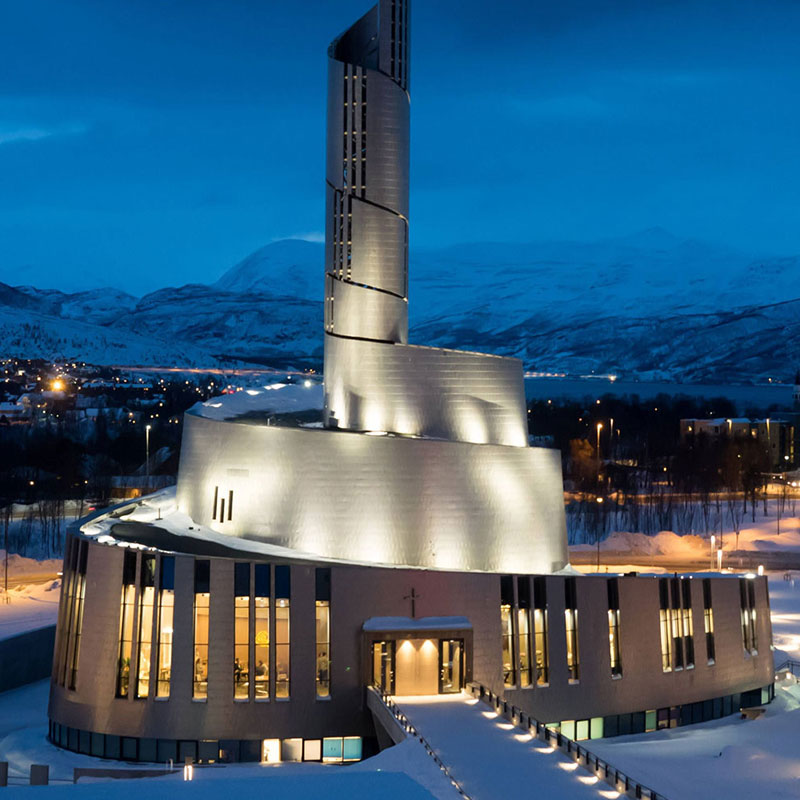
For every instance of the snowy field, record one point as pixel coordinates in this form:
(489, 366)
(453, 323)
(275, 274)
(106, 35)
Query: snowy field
(32, 599)
(730, 757)
(404, 771)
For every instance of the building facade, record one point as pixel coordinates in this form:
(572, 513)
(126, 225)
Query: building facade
(393, 529)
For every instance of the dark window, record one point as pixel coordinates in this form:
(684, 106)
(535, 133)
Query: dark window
(202, 580)
(262, 580)
(167, 750)
(112, 746)
(241, 580)
(187, 750)
(147, 750)
(129, 748)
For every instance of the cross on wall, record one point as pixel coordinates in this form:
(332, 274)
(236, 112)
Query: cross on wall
(413, 597)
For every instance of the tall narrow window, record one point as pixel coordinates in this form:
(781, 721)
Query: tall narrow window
(666, 625)
(282, 634)
(77, 607)
(202, 603)
(164, 632)
(323, 614)
(241, 631)
(677, 628)
(571, 627)
(261, 649)
(748, 605)
(612, 585)
(708, 620)
(507, 630)
(688, 624)
(127, 606)
(540, 634)
(147, 590)
(65, 607)
(524, 628)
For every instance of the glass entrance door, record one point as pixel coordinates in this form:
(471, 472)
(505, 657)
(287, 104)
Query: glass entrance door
(383, 665)
(451, 665)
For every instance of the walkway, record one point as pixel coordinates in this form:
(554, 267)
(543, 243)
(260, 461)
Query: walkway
(493, 760)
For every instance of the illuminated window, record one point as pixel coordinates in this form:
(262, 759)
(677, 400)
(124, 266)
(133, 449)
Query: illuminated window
(688, 624)
(147, 582)
(65, 606)
(523, 628)
(202, 602)
(675, 615)
(383, 662)
(708, 620)
(571, 628)
(76, 613)
(666, 625)
(748, 610)
(282, 633)
(261, 659)
(241, 631)
(323, 627)
(164, 621)
(612, 585)
(507, 630)
(540, 634)
(127, 604)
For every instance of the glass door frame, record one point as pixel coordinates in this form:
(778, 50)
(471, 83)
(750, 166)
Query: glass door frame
(461, 663)
(388, 648)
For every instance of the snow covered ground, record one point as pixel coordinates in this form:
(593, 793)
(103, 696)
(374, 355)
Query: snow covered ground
(730, 757)
(29, 606)
(404, 771)
(766, 536)
(32, 599)
(491, 758)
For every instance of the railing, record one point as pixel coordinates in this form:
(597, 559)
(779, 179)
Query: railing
(622, 782)
(789, 666)
(410, 730)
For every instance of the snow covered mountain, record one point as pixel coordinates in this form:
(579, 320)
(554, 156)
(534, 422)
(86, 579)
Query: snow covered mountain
(651, 305)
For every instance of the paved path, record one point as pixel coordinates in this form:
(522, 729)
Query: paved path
(493, 760)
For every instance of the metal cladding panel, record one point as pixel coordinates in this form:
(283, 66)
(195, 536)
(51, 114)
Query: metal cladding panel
(425, 391)
(379, 248)
(378, 499)
(358, 311)
(335, 123)
(387, 143)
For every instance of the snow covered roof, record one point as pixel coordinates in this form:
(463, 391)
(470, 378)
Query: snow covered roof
(421, 624)
(276, 398)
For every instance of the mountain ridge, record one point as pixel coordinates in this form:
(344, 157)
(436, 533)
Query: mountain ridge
(651, 304)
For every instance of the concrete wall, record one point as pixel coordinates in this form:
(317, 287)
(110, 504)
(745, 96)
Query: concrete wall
(391, 500)
(26, 658)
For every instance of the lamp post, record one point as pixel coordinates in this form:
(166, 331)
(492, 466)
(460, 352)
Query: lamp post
(611, 439)
(599, 428)
(147, 452)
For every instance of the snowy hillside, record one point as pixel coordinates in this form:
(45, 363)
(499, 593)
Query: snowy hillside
(647, 305)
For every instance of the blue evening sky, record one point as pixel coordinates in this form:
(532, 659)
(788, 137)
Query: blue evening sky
(155, 142)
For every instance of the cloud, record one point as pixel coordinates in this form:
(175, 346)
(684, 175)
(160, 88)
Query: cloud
(9, 134)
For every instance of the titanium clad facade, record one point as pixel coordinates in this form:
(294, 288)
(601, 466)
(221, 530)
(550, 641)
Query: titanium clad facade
(377, 499)
(425, 391)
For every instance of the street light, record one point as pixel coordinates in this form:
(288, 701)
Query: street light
(599, 428)
(147, 452)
